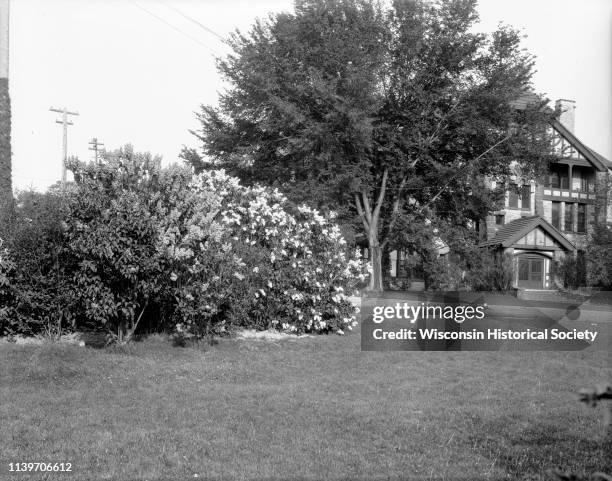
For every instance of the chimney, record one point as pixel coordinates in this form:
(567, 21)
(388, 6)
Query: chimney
(568, 113)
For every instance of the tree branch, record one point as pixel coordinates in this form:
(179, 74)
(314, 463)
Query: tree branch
(381, 195)
(394, 211)
(445, 186)
(366, 206)
(361, 214)
(133, 330)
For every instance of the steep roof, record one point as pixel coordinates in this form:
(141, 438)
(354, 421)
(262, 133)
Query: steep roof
(603, 160)
(598, 160)
(512, 232)
(530, 98)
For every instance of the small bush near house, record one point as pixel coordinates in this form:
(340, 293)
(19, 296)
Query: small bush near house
(572, 270)
(442, 274)
(490, 271)
(599, 258)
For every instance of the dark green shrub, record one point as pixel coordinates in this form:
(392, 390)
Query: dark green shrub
(132, 228)
(490, 271)
(442, 274)
(39, 279)
(599, 258)
(572, 270)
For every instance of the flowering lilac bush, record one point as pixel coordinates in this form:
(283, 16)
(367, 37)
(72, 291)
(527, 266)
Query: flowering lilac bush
(293, 268)
(164, 249)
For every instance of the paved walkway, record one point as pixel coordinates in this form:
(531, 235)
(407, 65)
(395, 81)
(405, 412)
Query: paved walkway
(504, 311)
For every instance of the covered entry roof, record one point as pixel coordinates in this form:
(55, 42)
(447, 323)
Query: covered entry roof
(510, 233)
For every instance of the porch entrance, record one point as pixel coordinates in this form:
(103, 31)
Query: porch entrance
(531, 272)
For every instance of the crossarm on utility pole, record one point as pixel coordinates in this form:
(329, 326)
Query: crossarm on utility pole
(65, 123)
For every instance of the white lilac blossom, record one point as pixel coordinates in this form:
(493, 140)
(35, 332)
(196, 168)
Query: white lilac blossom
(304, 251)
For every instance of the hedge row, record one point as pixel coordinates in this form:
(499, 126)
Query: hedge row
(130, 245)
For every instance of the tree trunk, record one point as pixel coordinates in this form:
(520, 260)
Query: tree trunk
(121, 327)
(376, 250)
(370, 218)
(376, 277)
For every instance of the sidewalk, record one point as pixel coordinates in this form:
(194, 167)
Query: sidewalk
(598, 302)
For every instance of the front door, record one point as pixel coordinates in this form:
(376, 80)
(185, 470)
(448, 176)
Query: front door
(531, 272)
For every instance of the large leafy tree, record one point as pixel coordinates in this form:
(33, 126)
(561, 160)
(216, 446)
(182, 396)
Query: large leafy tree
(388, 115)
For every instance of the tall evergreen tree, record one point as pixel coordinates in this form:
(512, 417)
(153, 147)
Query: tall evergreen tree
(381, 113)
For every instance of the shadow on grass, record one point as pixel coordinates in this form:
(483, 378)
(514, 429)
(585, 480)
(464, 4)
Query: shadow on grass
(530, 452)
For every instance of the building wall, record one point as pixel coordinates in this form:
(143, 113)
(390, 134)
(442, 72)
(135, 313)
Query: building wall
(598, 207)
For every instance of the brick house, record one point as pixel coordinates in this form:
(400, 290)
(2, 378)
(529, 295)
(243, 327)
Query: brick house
(546, 219)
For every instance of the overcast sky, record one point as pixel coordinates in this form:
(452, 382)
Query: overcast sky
(136, 71)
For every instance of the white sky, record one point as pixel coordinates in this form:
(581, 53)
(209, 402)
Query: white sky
(133, 78)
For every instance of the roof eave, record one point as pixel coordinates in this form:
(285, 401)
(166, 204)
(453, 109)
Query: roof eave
(580, 147)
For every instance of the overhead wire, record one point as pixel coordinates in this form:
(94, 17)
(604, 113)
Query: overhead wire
(193, 20)
(224, 41)
(174, 27)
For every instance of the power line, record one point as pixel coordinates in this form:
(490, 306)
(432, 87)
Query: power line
(173, 27)
(193, 20)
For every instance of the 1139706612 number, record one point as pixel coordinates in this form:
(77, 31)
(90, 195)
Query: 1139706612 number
(46, 467)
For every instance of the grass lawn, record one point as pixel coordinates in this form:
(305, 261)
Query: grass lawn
(315, 408)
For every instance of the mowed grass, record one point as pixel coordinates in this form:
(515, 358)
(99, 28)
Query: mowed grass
(315, 408)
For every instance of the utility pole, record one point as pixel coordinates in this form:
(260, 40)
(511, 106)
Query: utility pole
(95, 146)
(6, 185)
(65, 123)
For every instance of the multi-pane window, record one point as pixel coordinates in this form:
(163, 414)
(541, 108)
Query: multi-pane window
(584, 183)
(526, 197)
(564, 183)
(555, 219)
(569, 217)
(581, 220)
(587, 183)
(513, 196)
(558, 177)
